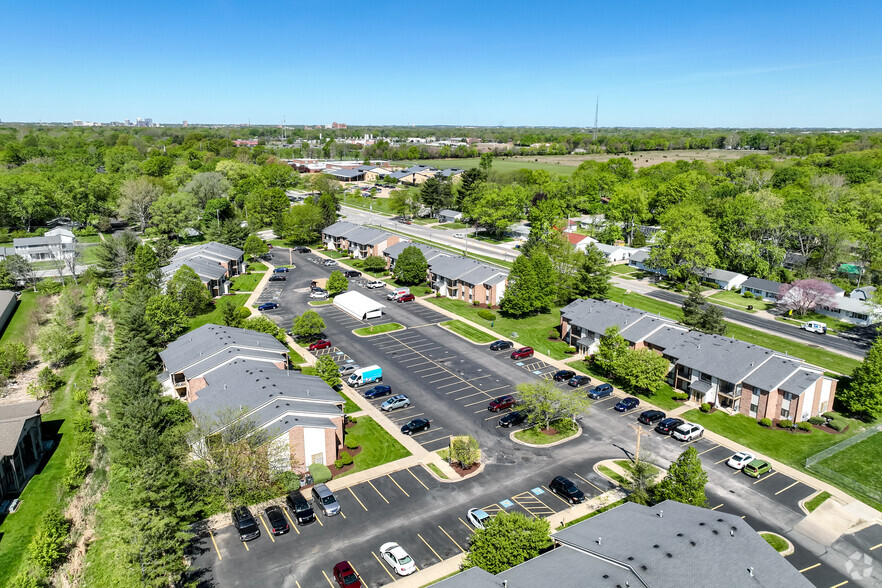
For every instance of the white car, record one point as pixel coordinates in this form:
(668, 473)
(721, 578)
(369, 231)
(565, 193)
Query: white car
(739, 460)
(688, 432)
(459, 235)
(329, 262)
(318, 295)
(375, 284)
(477, 517)
(348, 368)
(396, 557)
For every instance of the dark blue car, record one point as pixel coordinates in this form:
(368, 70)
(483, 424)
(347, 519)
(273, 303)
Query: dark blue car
(600, 391)
(281, 270)
(268, 306)
(626, 404)
(378, 391)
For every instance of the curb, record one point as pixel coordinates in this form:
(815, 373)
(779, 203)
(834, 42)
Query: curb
(368, 336)
(458, 478)
(572, 437)
(790, 549)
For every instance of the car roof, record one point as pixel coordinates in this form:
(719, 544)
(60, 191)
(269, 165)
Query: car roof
(478, 512)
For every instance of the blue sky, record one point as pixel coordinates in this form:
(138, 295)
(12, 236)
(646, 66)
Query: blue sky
(678, 64)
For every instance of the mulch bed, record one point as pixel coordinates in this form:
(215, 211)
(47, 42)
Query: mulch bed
(551, 431)
(830, 430)
(462, 472)
(346, 468)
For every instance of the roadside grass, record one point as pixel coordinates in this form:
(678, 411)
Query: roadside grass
(378, 446)
(468, 331)
(619, 479)
(628, 465)
(90, 255)
(257, 267)
(295, 357)
(378, 329)
(18, 325)
(624, 269)
(856, 464)
(451, 226)
(663, 399)
(246, 282)
(438, 473)
(536, 437)
(418, 291)
(776, 541)
(739, 302)
(834, 325)
(492, 238)
(532, 331)
(455, 250)
(817, 501)
(366, 203)
(594, 513)
(214, 316)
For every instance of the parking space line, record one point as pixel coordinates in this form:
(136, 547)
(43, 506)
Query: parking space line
(397, 484)
(458, 390)
(497, 388)
(490, 418)
(357, 498)
(430, 547)
(481, 401)
(711, 449)
(481, 377)
(321, 524)
(287, 516)
(417, 479)
(470, 395)
(433, 373)
(876, 547)
(840, 584)
(383, 566)
(787, 488)
(766, 478)
(427, 431)
(451, 538)
(466, 525)
(210, 534)
(378, 492)
(410, 416)
(442, 379)
(717, 506)
(588, 482)
(327, 578)
(721, 461)
(260, 516)
(809, 568)
(424, 443)
(363, 583)
(434, 367)
(556, 496)
(245, 543)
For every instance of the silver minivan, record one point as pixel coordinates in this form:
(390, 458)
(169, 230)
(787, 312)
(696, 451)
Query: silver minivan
(324, 499)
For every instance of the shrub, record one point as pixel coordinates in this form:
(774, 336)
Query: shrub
(785, 424)
(243, 312)
(680, 396)
(81, 396)
(837, 425)
(351, 443)
(765, 422)
(352, 420)
(486, 315)
(25, 579)
(570, 350)
(49, 380)
(705, 407)
(818, 420)
(830, 414)
(82, 422)
(320, 473)
(804, 426)
(711, 285)
(14, 358)
(47, 548)
(748, 295)
(338, 463)
(374, 263)
(289, 481)
(677, 287)
(77, 465)
(93, 367)
(345, 458)
(49, 286)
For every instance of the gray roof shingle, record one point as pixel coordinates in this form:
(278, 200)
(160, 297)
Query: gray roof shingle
(209, 339)
(800, 381)
(760, 284)
(12, 420)
(771, 374)
(339, 228)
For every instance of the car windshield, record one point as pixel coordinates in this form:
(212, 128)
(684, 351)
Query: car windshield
(349, 578)
(329, 499)
(405, 560)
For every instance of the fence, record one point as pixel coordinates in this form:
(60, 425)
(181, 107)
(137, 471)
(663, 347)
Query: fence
(822, 455)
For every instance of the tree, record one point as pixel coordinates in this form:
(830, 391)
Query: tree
(864, 394)
(172, 213)
(187, 289)
(642, 478)
(465, 451)
(22, 270)
(230, 232)
(144, 267)
(208, 186)
(115, 255)
(14, 358)
(329, 206)
(265, 206)
(216, 210)
(436, 194)
(701, 315)
(337, 283)
(308, 326)
(255, 246)
(610, 350)
(136, 197)
(629, 204)
(326, 368)
(58, 344)
(687, 243)
(164, 249)
(496, 207)
(301, 224)
(263, 324)
(805, 295)
(70, 261)
(592, 276)
(641, 369)
(167, 317)
(546, 281)
(685, 480)
(507, 539)
(7, 280)
(230, 315)
(520, 294)
(375, 263)
(544, 402)
(403, 202)
(411, 266)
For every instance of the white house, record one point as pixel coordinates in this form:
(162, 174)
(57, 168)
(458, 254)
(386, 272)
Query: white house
(445, 215)
(55, 244)
(726, 280)
(615, 253)
(765, 289)
(851, 310)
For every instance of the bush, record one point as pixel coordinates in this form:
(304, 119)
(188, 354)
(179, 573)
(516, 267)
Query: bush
(338, 463)
(677, 287)
(243, 312)
(680, 396)
(711, 285)
(47, 548)
(831, 415)
(77, 465)
(785, 424)
(289, 481)
(345, 458)
(765, 422)
(351, 443)
(49, 286)
(818, 420)
(570, 350)
(93, 367)
(748, 295)
(25, 579)
(804, 426)
(705, 407)
(374, 263)
(81, 396)
(320, 473)
(487, 315)
(49, 380)
(837, 425)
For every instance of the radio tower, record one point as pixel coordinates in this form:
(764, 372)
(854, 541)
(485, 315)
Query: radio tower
(596, 110)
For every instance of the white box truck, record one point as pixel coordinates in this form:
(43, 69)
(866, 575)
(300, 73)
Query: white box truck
(397, 293)
(365, 375)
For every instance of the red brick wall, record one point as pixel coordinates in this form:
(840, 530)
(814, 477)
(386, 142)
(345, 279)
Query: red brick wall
(295, 442)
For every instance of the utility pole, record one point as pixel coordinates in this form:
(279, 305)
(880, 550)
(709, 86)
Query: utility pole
(640, 433)
(596, 111)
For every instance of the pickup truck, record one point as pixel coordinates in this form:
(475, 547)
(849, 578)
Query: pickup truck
(375, 284)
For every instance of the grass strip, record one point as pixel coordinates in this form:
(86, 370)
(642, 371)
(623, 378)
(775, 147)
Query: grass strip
(462, 252)
(468, 331)
(611, 474)
(593, 513)
(438, 471)
(378, 329)
(777, 541)
(214, 316)
(378, 446)
(817, 501)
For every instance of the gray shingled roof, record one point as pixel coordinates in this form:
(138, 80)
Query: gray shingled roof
(268, 356)
(340, 228)
(727, 359)
(641, 329)
(717, 274)
(668, 337)
(760, 284)
(800, 381)
(640, 256)
(212, 249)
(7, 299)
(12, 420)
(451, 171)
(36, 241)
(208, 340)
(598, 315)
(367, 236)
(421, 168)
(430, 253)
(206, 269)
(448, 212)
(772, 373)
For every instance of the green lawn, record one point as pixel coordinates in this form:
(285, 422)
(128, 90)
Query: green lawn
(378, 329)
(501, 164)
(469, 332)
(491, 238)
(628, 465)
(378, 446)
(90, 255)
(365, 203)
(296, 358)
(532, 331)
(214, 316)
(438, 473)
(319, 302)
(618, 478)
(418, 291)
(451, 226)
(334, 254)
(779, 543)
(89, 239)
(817, 501)
(663, 399)
(257, 267)
(536, 437)
(739, 302)
(856, 464)
(247, 282)
(624, 270)
(21, 319)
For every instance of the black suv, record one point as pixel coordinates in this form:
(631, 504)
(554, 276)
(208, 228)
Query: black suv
(245, 524)
(567, 489)
(563, 375)
(300, 508)
(351, 274)
(668, 425)
(647, 417)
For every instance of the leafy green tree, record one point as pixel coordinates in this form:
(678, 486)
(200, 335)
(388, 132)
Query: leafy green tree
(592, 275)
(642, 478)
(278, 175)
(230, 232)
(157, 166)
(116, 157)
(326, 368)
(404, 202)
(507, 539)
(374, 263)
(208, 186)
(216, 211)
(57, 344)
(685, 480)
(520, 294)
(329, 207)
(144, 268)
(164, 249)
(496, 207)
(135, 199)
(115, 255)
(337, 283)
(255, 246)
(864, 394)
(701, 315)
(22, 270)
(48, 547)
(265, 206)
(687, 243)
(641, 369)
(301, 224)
(411, 266)
(172, 213)
(13, 358)
(263, 324)
(469, 185)
(546, 281)
(308, 326)
(610, 350)
(629, 204)
(187, 289)
(465, 450)
(167, 316)
(7, 280)
(436, 193)
(544, 402)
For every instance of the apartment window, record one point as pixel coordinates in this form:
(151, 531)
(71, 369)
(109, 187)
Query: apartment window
(318, 458)
(785, 413)
(705, 377)
(753, 408)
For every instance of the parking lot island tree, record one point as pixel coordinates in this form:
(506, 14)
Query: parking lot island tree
(410, 267)
(308, 326)
(465, 450)
(507, 539)
(685, 480)
(544, 402)
(337, 283)
(864, 394)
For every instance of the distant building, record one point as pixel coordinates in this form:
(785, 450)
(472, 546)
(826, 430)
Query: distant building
(359, 241)
(245, 142)
(53, 245)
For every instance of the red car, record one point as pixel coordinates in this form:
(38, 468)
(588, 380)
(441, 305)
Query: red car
(501, 403)
(522, 353)
(320, 344)
(346, 576)
(406, 298)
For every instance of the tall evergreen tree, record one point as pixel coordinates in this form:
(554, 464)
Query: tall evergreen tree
(685, 481)
(546, 281)
(187, 289)
(520, 294)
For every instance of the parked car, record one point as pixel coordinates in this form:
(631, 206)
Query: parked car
(320, 344)
(415, 426)
(522, 353)
(567, 489)
(563, 375)
(348, 368)
(278, 524)
(281, 270)
(268, 306)
(757, 468)
(688, 432)
(667, 426)
(501, 345)
(301, 249)
(648, 417)
(299, 507)
(366, 375)
(739, 460)
(378, 391)
(406, 298)
(323, 498)
(513, 418)
(396, 557)
(578, 381)
(375, 284)
(351, 274)
(346, 576)
(277, 278)
(501, 403)
(318, 294)
(397, 401)
(404, 221)
(600, 391)
(329, 263)
(477, 517)
(245, 524)
(626, 404)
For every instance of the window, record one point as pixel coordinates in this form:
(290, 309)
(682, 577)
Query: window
(785, 413)
(705, 377)
(318, 458)
(753, 408)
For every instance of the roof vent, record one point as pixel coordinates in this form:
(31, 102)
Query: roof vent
(750, 571)
(719, 520)
(679, 534)
(661, 513)
(600, 540)
(692, 543)
(715, 532)
(656, 545)
(669, 554)
(732, 532)
(630, 558)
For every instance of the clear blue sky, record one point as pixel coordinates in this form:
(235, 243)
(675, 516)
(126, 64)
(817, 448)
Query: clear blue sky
(682, 64)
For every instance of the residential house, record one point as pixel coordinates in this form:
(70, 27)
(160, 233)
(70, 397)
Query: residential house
(794, 261)
(53, 245)
(726, 280)
(650, 547)
(214, 263)
(445, 215)
(451, 174)
(640, 260)
(8, 304)
(615, 253)
(216, 369)
(580, 242)
(21, 445)
(852, 310)
(727, 373)
(864, 293)
(765, 289)
(358, 241)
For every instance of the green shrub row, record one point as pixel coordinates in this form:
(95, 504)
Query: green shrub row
(785, 424)
(680, 396)
(765, 422)
(351, 443)
(805, 426)
(818, 420)
(837, 425)
(344, 460)
(487, 315)
(705, 407)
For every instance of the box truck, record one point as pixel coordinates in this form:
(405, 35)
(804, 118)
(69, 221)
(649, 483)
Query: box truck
(365, 375)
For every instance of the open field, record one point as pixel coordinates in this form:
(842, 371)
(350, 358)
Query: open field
(856, 464)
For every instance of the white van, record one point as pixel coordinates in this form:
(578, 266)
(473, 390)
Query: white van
(397, 293)
(815, 327)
